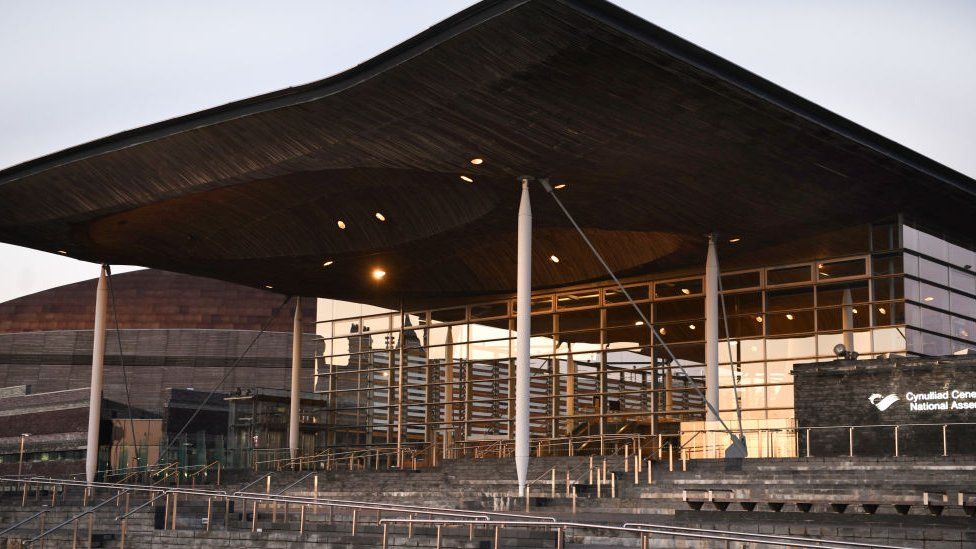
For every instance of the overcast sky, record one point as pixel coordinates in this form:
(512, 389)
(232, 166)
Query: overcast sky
(75, 71)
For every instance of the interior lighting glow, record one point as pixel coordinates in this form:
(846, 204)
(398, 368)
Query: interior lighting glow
(734, 240)
(686, 291)
(759, 319)
(559, 186)
(789, 316)
(929, 298)
(692, 326)
(639, 323)
(328, 263)
(378, 273)
(380, 216)
(477, 161)
(882, 310)
(554, 259)
(341, 224)
(466, 178)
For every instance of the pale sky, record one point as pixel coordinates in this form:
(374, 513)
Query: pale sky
(75, 71)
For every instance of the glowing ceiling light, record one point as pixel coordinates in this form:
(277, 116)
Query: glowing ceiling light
(882, 310)
(639, 323)
(380, 216)
(734, 240)
(662, 331)
(327, 263)
(378, 273)
(62, 252)
(268, 286)
(341, 224)
(692, 326)
(789, 316)
(466, 178)
(477, 161)
(686, 291)
(385, 374)
(759, 319)
(559, 186)
(929, 298)
(854, 311)
(554, 259)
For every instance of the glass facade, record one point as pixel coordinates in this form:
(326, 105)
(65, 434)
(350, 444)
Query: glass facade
(598, 368)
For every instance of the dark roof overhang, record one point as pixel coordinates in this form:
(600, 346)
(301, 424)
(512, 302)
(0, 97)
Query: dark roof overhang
(659, 141)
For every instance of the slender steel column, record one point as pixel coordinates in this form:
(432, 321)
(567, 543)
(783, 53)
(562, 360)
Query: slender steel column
(847, 322)
(97, 372)
(447, 397)
(711, 330)
(296, 372)
(522, 333)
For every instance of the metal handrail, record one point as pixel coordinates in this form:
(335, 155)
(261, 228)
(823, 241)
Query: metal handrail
(26, 520)
(88, 511)
(286, 488)
(750, 534)
(252, 483)
(809, 543)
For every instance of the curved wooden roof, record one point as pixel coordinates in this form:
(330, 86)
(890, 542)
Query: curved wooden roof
(658, 141)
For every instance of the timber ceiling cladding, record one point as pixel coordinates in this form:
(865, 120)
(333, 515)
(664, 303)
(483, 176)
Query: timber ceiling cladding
(658, 141)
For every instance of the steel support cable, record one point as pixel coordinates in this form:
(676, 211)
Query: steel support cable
(694, 384)
(227, 374)
(125, 377)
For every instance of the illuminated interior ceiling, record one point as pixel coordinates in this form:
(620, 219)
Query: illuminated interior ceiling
(657, 141)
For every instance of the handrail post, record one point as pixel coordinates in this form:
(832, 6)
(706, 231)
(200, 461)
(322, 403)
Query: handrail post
(850, 440)
(254, 516)
(40, 532)
(301, 521)
(209, 511)
(553, 491)
(355, 512)
(945, 443)
(174, 510)
(671, 458)
(808, 442)
(91, 527)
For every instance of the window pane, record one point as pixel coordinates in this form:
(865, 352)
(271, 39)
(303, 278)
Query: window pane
(962, 305)
(780, 396)
(792, 299)
(833, 319)
(932, 271)
(583, 320)
(889, 288)
(963, 328)
(637, 293)
(932, 246)
(795, 322)
(788, 275)
(678, 288)
(961, 256)
(964, 281)
(884, 237)
(741, 303)
(932, 296)
(887, 314)
(840, 269)
(576, 300)
(792, 347)
(887, 264)
(679, 309)
(741, 326)
(625, 315)
(740, 280)
(842, 293)
(489, 310)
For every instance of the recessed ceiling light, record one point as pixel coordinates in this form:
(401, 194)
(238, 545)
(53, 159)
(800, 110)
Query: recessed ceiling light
(929, 298)
(692, 326)
(378, 274)
(559, 186)
(554, 259)
(268, 286)
(662, 331)
(380, 216)
(639, 323)
(759, 319)
(686, 291)
(789, 316)
(385, 374)
(62, 252)
(854, 311)
(882, 310)
(477, 161)
(734, 240)
(341, 224)
(466, 178)
(327, 263)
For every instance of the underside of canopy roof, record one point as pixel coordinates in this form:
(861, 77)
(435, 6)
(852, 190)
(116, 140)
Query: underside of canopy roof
(657, 141)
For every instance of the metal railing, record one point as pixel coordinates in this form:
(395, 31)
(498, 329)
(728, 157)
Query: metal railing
(642, 530)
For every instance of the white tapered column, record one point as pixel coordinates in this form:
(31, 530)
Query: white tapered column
(296, 372)
(522, 333)
(711, 330)
(97, 372)
(847, 320)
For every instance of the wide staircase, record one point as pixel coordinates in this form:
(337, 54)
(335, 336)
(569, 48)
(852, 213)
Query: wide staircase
(572, 502)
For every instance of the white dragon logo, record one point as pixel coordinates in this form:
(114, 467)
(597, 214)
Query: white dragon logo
(883, 403)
